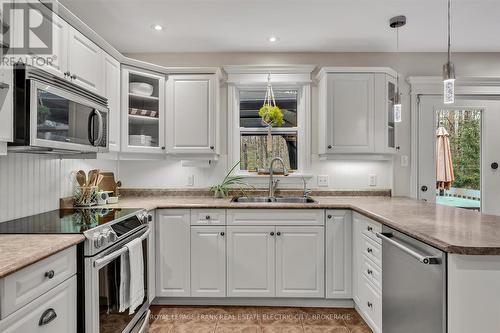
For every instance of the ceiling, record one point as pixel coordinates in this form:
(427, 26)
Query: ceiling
(301, 25)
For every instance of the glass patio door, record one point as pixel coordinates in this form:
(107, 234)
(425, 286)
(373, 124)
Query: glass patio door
(458, 153)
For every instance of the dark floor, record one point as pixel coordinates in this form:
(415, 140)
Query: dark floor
(211, 319)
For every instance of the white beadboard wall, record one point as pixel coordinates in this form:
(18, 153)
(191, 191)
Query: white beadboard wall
(31, 184)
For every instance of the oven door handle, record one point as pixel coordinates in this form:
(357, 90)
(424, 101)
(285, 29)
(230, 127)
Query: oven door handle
(113, 255)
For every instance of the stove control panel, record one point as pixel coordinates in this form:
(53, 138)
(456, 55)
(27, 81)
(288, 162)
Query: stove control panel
(105, 237)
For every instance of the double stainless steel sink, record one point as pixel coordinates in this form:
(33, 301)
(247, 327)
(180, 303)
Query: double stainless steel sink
(263, 199)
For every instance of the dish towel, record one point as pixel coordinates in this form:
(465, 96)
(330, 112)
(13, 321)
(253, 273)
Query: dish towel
(124, 290)
(136, 273)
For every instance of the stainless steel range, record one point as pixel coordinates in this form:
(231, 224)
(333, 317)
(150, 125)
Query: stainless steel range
(99, 261)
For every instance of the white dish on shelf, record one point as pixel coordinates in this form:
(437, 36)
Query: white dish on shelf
(141, 88)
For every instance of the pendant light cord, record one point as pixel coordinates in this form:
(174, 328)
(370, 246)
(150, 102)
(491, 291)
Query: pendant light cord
(399, 58)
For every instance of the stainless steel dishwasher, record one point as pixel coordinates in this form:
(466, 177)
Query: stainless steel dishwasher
(413, 285)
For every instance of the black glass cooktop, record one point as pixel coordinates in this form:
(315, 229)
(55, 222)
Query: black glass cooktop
(64, 221)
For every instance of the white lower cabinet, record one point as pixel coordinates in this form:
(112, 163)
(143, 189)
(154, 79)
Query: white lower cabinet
(208, 261)
(251, 261)
(54, 312)
(173, 253)
(300, 266)
(338, 254)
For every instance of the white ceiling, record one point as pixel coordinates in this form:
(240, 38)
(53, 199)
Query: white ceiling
(302, 25)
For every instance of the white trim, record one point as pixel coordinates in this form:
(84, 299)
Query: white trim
(370, 70)
(473, 86)
(265, 69)
(293, 302)
(257, 75)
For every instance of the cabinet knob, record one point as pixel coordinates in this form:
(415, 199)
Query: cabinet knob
(212, 147)
(207, 217)
(73, 76)
(330, 147)
(163, 148)
(369, 271)
(494, 165)
(369, 250)
(67, 73)
(222, 233)
(370, 305)
(278, 233)
(424, 188)
(369, 228)
(271, 233)
(329, 216)
(50, 274)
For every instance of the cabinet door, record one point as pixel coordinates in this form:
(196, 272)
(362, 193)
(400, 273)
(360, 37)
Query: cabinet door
(300, 265)
(250, 261)
(385, 127)
(191, 110)
(208, 261)
(111, 91)
(85, 62)
(350, 113)
(173, 253)
(338, 254)
(143, 116)
(357, 256)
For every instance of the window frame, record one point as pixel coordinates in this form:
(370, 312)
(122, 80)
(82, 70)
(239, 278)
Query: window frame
(302, 129)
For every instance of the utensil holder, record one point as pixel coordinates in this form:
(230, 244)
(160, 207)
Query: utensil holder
(85, 196)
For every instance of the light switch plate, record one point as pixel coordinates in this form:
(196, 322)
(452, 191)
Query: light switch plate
(404, 161)
(372, 179)
(323, 180)
(190, 180)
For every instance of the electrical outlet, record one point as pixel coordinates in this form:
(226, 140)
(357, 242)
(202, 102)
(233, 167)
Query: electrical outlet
(323, 180)
(404, 161)
(372, 179)
(190, 180)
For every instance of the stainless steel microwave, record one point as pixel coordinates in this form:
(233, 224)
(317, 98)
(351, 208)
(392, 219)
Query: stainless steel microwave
(52, 115)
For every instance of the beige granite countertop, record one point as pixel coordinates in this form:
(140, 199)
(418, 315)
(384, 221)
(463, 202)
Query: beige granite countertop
(450, 229)
(19, 251)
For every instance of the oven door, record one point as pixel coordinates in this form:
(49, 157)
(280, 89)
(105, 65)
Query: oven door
(102, 282)
(64, 120)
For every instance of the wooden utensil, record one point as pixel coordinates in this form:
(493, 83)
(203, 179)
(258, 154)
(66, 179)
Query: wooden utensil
(93, 177)
(81, 178)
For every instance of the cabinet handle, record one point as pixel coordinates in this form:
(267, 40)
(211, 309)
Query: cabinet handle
(369, 271)
(370, 305)
(50, 274)
(278, 233)
(47, 317)
(330, 147)
(329, 216)
(222, 233)
(369, 250)
(369, 228)
(271, 233)
(207, 217)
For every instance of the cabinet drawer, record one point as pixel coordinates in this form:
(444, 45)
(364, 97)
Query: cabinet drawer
(275, 217)
(372, 250)
(372, 272)
(58, 307)
(23, 286)
(208, 217)
(371, 304)
(371, 228)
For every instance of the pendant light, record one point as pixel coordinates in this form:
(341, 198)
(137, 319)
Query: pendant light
(396, 22)
(449, 70)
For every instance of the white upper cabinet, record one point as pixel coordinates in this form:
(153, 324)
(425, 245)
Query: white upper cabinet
(143, 115)
(338, 254)
(385, 127)
(300, 265)
(111, 91)
(353, 116)
(85, 62)
(191, 114)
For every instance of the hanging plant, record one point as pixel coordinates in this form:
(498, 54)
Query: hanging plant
(271, 114)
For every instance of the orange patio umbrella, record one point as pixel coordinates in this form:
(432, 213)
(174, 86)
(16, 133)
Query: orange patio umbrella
(444, 162)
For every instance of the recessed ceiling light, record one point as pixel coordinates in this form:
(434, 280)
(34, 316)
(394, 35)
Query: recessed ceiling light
(157, 27)
(273, 39)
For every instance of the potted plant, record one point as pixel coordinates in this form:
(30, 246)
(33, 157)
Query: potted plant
(270, 113)
(229, 183)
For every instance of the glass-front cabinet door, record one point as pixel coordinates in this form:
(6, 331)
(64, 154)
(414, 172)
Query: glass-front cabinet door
(143, 111)
(390, 124)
